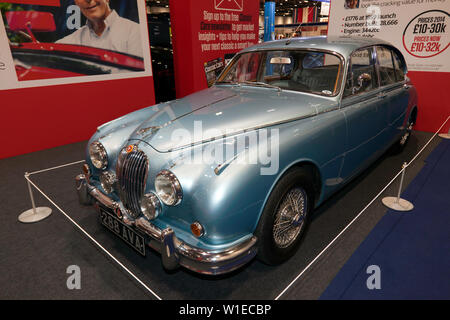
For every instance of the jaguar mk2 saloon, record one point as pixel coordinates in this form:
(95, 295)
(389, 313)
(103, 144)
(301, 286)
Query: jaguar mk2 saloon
(325, 108)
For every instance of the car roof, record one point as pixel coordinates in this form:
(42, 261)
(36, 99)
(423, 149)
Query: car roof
(343, 45)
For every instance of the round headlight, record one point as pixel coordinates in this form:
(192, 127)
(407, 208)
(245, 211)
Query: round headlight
(107, 180)
(168, 188)
(150, 206)
(99, 157)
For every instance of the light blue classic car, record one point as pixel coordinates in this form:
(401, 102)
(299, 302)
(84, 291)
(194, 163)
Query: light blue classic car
(236, 170)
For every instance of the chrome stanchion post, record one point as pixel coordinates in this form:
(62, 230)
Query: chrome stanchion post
(34, 214)
(401, 181)
(397, 203)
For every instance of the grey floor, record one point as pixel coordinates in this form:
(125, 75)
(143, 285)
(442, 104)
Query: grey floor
(34, 257)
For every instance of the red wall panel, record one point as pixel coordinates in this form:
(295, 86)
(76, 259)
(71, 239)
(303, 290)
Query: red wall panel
(186, 18)
(44, 117)
(433, 92)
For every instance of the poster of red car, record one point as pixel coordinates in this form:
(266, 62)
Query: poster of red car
(74, 41)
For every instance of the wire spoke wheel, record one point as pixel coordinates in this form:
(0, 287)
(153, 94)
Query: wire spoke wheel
(406, 135)
(290, 217)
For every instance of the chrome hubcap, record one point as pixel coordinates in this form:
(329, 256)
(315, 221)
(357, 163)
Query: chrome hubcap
(289, 218)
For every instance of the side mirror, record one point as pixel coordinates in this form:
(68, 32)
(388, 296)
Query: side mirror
(363, 81)
(34, 20)
(30, 21)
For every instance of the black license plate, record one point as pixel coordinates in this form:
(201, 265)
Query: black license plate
(127, 234)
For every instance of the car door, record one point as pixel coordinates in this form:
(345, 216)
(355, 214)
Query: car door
(394, 95)
(365, 116)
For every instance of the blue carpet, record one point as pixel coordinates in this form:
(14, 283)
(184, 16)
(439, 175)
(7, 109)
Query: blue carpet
(412, 249)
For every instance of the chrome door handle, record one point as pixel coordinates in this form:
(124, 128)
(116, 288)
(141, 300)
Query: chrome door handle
(382, 95)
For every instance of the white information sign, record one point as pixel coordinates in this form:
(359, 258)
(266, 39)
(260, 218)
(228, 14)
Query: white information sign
(419, 28)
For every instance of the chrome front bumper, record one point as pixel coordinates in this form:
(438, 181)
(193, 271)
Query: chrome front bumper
(174, 252)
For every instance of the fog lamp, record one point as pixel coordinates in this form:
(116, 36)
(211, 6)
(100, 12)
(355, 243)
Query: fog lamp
(107, 180)
(150, 206)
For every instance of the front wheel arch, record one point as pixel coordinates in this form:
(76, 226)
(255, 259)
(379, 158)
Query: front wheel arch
(315, 175)
(268, 252)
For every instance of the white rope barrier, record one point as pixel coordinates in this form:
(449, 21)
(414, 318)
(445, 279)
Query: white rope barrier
(57, 167)
(359, 214)
(91, 238)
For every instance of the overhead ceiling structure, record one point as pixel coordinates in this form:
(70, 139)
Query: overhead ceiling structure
(286, 7)
(283, 7)
(158, 3)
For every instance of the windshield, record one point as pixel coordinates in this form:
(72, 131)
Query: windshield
(298, 70)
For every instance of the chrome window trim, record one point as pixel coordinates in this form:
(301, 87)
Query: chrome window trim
(374, 59)
(332, 52)
(401, 58)
(378, 67)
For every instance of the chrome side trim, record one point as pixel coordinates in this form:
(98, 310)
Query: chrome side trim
(222, 166)
(237, 132)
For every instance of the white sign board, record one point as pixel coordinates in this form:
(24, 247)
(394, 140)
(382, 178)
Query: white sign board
(419, 28)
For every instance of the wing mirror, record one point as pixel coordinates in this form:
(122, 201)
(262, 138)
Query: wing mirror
(363, 82)
(30, 21)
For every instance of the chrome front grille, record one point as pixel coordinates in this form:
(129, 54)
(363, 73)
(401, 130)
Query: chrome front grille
(132, 170)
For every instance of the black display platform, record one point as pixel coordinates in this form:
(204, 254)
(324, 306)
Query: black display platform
(34, 257)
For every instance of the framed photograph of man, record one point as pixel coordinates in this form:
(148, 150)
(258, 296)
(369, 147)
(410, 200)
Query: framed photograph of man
(79, 40)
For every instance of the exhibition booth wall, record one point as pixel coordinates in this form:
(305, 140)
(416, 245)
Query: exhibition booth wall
(45, 117)
(434, 99)
(54, 88)
(45, 112)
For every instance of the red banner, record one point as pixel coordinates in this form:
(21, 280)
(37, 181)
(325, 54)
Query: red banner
(206, 33)
(54, 3)
(306, 15)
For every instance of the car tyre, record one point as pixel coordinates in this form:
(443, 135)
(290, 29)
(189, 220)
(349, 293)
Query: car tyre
(285, 217)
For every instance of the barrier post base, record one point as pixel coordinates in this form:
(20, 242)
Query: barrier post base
(35, 215)
(397, 204)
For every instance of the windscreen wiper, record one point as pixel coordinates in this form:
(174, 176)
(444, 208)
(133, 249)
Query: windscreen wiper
(262, 84)
(233, 83)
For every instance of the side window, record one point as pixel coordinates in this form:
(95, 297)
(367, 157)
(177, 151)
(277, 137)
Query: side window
(361, 73)
(385, 61)
(399, 67)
